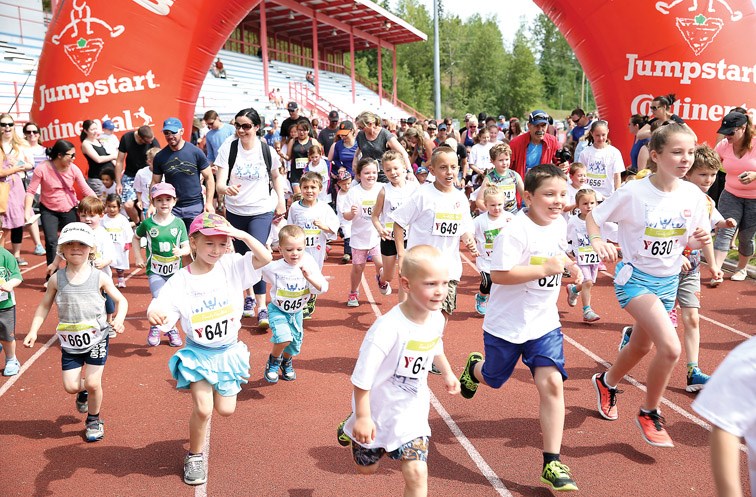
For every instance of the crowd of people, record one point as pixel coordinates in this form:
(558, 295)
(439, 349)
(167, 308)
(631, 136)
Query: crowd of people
(401, 196)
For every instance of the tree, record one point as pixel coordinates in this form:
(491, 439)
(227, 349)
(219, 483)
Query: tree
(522, 84)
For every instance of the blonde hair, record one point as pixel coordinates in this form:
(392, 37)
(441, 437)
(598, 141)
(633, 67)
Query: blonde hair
(418, 258)
(491, 191)
(311, 177)
(290, 232)
(17, 142)
(584, 192)
(499, 149)
(315, 149)
(661, 137)
(151, 153)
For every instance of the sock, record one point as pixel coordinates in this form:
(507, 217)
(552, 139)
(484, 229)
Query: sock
(607, 385)
(692, 366)
(195, 454)
(549, 457)
(586, 307)
(82, 396)
(93, 417)
(649, 411)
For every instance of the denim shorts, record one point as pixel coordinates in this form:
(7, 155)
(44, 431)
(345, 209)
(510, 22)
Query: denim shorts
(640, 283)
(414, 450)
(502, 356)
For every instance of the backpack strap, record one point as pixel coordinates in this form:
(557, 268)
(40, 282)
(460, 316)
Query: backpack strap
(266, 158)
(232, 157)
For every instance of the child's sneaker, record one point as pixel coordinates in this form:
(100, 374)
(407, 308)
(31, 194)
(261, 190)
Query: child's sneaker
(384, 287)
(39, 250)
(651, 425)
(121, 282)
(82, 401)
(249, 307)
(111, 331)
(481, 302)
(606, 397)
(194, 469)
(626, 332)
(572, 295)
(589, 316)
(95, 430)
(346, 259)
(557, 475)
(467, 381)
(342, 437)
(153, 337)
(262, 319)
(309, 309)
(673, 317)
(174, 338)
(696, 379)
(352, 300)
(271, 369)
(12, 366)
(288, 370)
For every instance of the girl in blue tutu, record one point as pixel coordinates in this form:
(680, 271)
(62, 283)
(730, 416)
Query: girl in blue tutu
(208, 298)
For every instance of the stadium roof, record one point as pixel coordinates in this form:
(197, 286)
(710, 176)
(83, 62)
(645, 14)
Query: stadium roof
(370, 23)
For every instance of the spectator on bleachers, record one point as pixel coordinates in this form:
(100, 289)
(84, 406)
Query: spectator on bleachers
(310, 77)
(217, 133)
(218, 70)
(327, 135)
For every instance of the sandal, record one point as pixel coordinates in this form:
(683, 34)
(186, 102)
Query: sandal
(739, 275)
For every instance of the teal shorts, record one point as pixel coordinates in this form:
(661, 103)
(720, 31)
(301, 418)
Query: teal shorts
(286, 327)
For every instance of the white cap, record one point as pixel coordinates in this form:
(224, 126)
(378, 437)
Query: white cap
(77, 232)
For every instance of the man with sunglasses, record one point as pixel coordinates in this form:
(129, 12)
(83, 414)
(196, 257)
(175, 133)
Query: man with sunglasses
(217, 133)
(534, 147)
(581, 124)
(132, 150)
(185, 167)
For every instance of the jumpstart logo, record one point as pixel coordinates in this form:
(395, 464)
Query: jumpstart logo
(699, 31)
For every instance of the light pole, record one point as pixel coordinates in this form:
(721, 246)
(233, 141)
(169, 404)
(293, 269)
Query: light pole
(436, 62)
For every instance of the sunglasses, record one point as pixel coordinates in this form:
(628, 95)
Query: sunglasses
(472, 127)
(168, 133)
(31, 132)
(6, 125)
(653, 107)
(245, 126)
(71, 155)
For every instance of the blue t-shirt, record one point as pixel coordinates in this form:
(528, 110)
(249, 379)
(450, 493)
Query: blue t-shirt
(271, 138)
(578, 132)
(182, 169)
(215, 138)
(533, 156)
(343, 156)
(635, 151)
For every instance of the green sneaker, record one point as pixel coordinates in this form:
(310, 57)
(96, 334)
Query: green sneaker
(342, 437)
(557, 476)
(468, 383)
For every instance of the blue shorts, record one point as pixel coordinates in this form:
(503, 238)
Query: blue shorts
(286, 327)
(414, 450)
(96, 357)
(641, 283)
(502, 356)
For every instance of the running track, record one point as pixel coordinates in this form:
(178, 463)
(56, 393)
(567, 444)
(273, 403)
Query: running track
(281, 440)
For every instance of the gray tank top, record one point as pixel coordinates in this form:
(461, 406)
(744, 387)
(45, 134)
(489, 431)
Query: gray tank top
(81, 312)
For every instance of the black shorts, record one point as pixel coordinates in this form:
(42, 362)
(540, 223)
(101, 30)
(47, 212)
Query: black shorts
(96, 357)
(388, 247)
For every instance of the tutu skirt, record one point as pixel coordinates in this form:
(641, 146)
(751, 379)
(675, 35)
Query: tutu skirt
(225, 369)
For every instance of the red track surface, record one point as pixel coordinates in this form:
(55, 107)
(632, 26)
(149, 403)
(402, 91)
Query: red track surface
(281, 440)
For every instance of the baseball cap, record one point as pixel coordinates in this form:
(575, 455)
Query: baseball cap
(502, 116)
(442, 127)
(172, 124)
(538, 117)
(411, 120)
(482, 117)
(344, 175)
(421, 170)
(344, 128)
(162, 189)
(292, 106)
(732, 121)
(108, 124)
(333, 116)
(208, 224)
(77, 232)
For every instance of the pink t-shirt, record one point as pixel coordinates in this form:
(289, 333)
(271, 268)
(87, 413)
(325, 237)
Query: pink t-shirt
(54, 195)
(734, 166)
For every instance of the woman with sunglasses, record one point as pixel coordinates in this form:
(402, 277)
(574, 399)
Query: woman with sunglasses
(31, 133)
(254, 193)
(55, 178)
(661, 110)
(94, 152)
(16, 160)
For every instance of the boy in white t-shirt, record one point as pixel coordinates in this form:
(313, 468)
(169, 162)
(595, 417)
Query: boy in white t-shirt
(523, 321)
(391, 398)
(142, 182)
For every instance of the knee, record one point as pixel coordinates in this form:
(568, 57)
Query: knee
(203, 411)
(416, 475)
(92, 384)
(551, 387)
(72, 387)
(587, 284)
(225, 411)
(670, 352)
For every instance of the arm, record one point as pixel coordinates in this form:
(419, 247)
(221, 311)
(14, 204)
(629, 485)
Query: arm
(82, 182)
(43, 309)
(450, 379)
(315, 278)
(357, 157)
(617, 181)
(468, 239)
(278, 187)
(9, 171)
(364, 427)
(221, 188)
(394, 144)
(605, 250)
(156, 178)
(207, 174)
(90, 152)
(122, 306)
(707, 249)
(9, 285)
(643, 133)
(725, 462)
(522, 274)
(119, 171)
(138, 259)
(376, 216)
(428, 144)
(399, 242)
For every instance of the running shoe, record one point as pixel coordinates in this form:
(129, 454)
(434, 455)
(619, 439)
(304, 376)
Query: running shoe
(572, 295)
(95, 430)
(174, 338)
(481, 302)
(606, 397)
(82, 401)
(271, 369)
(651, 425)
(696, 380)
(352, 300)
(262, 319)
(309, 309)
(346, 259)
(153, 338)
(12, 366)
(739, 275)
(434, 369)
(626, 332)
(249, 307)
(22, 262)
(194, 469)
(589, 316)
(39, 250)
(468, 383)
(111, 331)
(288, 370)
(342, 437)
(121, 282)
(557, 475)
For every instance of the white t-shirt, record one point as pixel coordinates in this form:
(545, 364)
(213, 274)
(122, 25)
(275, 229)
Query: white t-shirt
(289, 290)
(729, 399)
(486, 231)
(315, 238)
(577, 235)
(209, 305)
(654, 226)
(142, 182)
(395, 357)
(480, 156)
(601, 165)
(104, 248)
(322, 169)
(341, 207)
(439, 219)
(121, 233)
(393, 198)
(364, 234)
(527, 311)
(255, 196)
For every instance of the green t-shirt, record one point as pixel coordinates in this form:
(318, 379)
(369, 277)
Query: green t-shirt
(161, 240)
(8, 271)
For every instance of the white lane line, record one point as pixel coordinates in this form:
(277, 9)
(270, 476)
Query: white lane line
(29, 268)
(722, 325)
(27, 364)
(481, 463)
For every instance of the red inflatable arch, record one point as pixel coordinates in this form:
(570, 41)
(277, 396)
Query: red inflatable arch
(144, 60)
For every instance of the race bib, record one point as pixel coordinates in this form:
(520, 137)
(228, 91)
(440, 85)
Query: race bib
(596, 180)
(660, 242)
(416, 359)
(164, 266)
(301, 162)
(115, 234)
(550, 281)
(509, 190)
(78, 336)
(446, 224)
(390, 228)
(292, 301)
(3, 295)
(367, 208)
(312, 235)
(211, 327)
(587, 256)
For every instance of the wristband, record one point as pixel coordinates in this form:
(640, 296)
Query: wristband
(593, 237)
